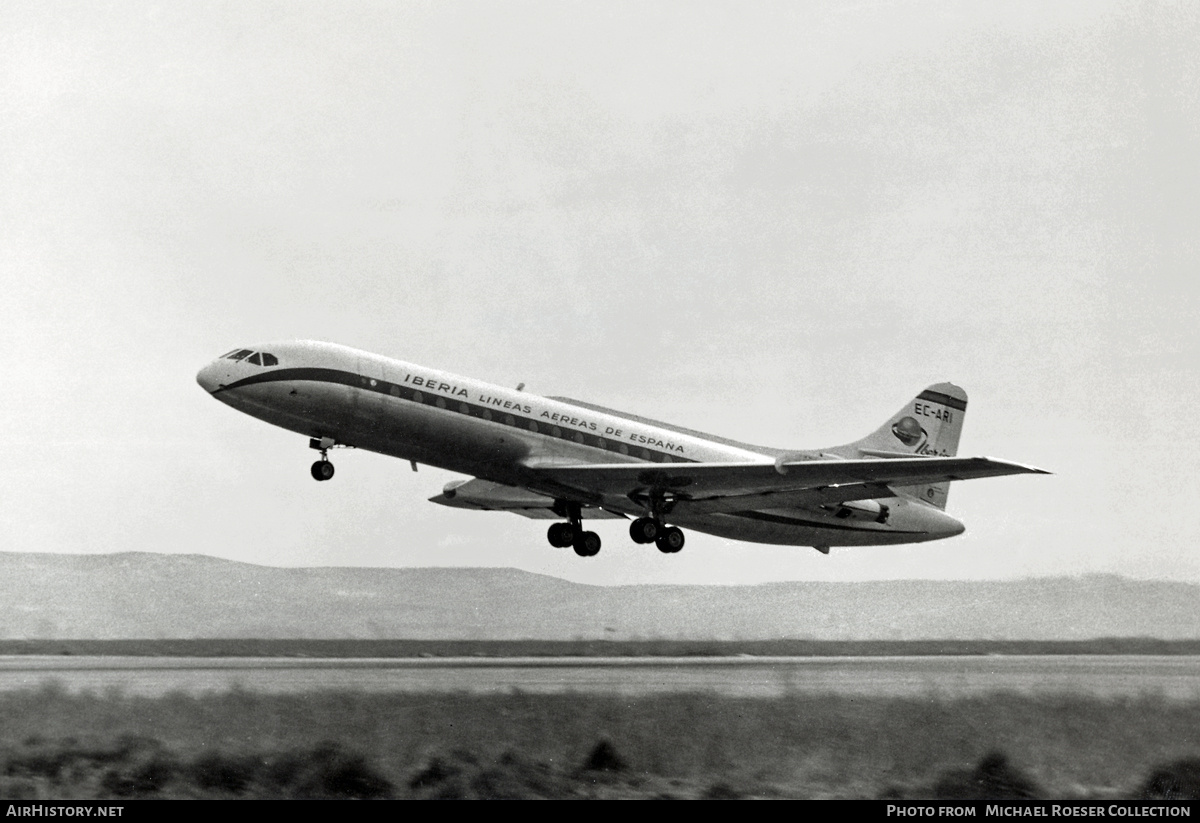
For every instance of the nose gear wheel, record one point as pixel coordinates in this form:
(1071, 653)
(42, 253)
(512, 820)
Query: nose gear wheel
(322, 469)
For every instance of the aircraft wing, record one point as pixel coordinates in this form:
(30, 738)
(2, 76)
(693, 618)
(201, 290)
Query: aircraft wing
(712, 487)
(484, 495)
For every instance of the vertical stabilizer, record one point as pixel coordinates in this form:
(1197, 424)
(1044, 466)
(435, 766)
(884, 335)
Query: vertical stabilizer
(930, 424)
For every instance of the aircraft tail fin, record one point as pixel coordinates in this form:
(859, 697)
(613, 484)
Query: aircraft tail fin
(929, 424)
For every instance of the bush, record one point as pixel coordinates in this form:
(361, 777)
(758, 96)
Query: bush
(992, 779)
(328, 771)
(1175, 781)
(224, 772)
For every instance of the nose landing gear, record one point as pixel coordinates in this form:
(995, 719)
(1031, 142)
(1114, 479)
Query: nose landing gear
(322, 469)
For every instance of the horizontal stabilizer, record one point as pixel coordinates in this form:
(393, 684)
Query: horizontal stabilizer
(798, 479)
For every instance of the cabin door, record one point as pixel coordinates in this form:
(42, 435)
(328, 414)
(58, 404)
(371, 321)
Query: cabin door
(368, 398)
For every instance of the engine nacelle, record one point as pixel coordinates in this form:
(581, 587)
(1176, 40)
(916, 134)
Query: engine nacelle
(869, 510)
(798, 457)
(484, 494)
(451, 488)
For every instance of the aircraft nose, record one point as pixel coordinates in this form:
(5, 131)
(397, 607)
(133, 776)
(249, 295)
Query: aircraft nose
(209, 377)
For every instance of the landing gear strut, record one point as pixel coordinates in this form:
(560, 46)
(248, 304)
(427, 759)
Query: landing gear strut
(322, 469)
(561, 535)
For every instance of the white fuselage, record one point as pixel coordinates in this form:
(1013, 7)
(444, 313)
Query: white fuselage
(359, 399)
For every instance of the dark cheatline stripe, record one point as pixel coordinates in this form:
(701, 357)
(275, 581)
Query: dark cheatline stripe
(283, 375)
(812, 524)
(458, 406)
(944, 399)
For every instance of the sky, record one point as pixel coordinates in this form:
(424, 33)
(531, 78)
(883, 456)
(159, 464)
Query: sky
(775, 222)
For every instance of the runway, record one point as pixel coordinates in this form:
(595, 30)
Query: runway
(1111, 676)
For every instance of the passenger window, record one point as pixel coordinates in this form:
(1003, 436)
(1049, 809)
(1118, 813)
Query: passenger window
(533, 426)
(270, 359)
(255, 358)
(509, 420)
(420, 398)
(578, 438)
(441, 403)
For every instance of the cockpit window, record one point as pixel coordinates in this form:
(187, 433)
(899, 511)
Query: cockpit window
(250, 356)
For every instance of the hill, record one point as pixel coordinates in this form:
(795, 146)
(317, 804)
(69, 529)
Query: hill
(144, 595)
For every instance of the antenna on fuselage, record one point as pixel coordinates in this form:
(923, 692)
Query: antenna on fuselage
(520, 387)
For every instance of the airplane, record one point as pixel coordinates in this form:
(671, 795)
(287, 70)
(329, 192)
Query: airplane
(561, 459)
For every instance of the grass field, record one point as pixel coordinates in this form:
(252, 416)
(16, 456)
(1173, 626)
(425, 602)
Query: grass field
(56, 745)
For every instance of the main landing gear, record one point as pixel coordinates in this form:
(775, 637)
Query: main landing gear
(322, 469)
(651, 529)
(561, 535)
(669, 539)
